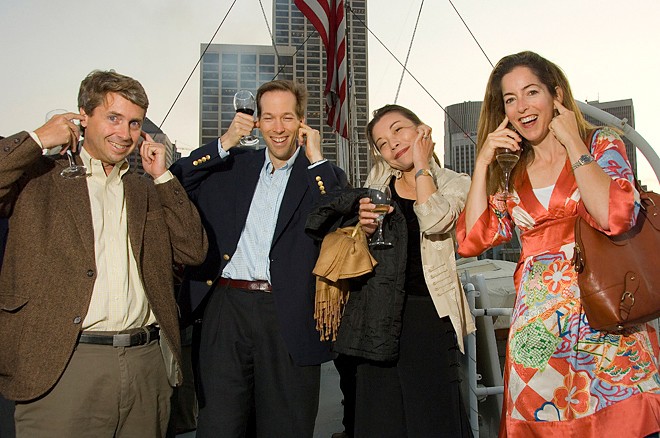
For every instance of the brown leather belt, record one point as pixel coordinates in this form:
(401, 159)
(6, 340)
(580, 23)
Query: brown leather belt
(259, 285)
(129, 338)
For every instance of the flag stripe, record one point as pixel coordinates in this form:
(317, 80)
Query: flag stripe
(328, 18)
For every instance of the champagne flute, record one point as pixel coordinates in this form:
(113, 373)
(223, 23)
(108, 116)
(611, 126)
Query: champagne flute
(507, 159)
(381, 196)
(244, 102)
(74, 170)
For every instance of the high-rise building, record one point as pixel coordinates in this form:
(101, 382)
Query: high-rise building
(625, 111)
(298, 54)
(461, 122)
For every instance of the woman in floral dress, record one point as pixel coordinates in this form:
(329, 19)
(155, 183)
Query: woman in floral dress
(562, 377)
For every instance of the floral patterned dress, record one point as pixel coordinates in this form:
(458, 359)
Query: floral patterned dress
(563, 377)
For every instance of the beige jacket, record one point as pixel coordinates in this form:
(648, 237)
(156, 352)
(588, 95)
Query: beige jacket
(437, 220)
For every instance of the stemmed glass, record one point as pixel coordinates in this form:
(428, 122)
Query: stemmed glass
(244, 102)
(507, 159)
(74, 170)
(381, 196)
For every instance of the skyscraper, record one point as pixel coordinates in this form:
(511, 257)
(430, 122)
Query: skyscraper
(624, 110)
(461, 121)
(299, 55)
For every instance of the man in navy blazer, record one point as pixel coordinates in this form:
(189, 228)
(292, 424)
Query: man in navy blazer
(260, 353)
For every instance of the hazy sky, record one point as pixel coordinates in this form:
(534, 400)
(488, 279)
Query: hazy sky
(609, 50)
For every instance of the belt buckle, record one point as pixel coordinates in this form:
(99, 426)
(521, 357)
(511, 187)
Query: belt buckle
(121, 340)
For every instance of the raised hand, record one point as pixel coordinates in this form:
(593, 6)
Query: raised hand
(241, 126)
(311, 138)
(422, 149)
(501, 137)
(153, 156)
(564, 125)
(60, 130)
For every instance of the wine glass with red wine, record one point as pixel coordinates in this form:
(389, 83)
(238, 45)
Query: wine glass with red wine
(244, 102)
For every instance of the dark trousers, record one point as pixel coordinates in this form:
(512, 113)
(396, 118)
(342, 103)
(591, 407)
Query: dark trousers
(347, 369)
(247, 375)
(6, 418)
(419, 395)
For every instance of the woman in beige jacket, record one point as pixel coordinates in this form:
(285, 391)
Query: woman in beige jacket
(419, 394)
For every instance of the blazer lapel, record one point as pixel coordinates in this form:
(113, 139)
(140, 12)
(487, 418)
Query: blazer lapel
(75, 196)
(296, 188)
(136, 211)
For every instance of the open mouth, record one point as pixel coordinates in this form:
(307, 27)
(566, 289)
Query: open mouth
(528, 119)
(280, 140)
(120, 147)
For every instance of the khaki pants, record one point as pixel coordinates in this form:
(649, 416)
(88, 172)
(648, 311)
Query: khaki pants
(105, 391)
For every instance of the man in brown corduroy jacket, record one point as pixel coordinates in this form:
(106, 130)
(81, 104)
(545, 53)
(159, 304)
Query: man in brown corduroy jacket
(88, 323)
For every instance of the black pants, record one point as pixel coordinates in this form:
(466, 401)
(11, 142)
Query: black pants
(419, 395)
(6, 418)
(248, 378)
(347, 369)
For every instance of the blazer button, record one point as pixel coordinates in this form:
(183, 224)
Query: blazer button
(318, 178)
(226, 256)
(320, 183)
(209, 282)
(195, 163)
(17, 140)
(208, 157)
(77, 320)
(90, 273)
(6, 149)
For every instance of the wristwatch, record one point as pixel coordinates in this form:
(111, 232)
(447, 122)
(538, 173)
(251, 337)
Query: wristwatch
(584, 159)
(421, 172)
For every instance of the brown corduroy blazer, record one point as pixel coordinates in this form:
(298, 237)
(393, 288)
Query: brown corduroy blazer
(49, 267)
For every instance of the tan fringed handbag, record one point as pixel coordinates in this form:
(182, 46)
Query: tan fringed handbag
(619, 276)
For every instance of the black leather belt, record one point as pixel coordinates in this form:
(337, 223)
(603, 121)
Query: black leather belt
(129, 338)
(259, 285)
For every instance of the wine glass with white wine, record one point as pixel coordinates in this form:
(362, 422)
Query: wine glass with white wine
(381, 197)
(73, 170)
(507, 159)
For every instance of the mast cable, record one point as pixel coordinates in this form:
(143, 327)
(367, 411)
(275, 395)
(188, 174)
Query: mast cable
(403, 72)
(413, 76)
(195, 67)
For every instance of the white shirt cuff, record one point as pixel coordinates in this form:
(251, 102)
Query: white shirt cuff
(223, 153)
(164, 177)
(35, 137)
(313, 165)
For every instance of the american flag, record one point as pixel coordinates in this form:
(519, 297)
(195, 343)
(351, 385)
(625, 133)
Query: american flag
(328, 17)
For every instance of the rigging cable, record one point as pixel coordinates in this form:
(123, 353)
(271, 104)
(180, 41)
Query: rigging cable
(473, 37)
(411, 75)
(263, 12)
(195, 67)
(405, 64)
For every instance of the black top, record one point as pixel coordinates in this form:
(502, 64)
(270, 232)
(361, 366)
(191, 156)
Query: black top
(415, 283)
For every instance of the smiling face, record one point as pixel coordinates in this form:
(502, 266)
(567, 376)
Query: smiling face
(394, 136)
(528, 103)
(113, 129)
(279, 125)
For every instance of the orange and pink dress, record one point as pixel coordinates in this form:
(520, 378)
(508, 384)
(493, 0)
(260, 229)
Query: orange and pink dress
(562, 377)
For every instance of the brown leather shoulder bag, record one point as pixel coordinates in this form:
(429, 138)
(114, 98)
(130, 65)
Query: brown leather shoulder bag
(619, 276)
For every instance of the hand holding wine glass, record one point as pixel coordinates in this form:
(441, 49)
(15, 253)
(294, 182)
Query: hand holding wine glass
(244, 102)
(68, 132)
(381, 197)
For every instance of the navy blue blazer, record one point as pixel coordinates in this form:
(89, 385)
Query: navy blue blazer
(222, 189)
